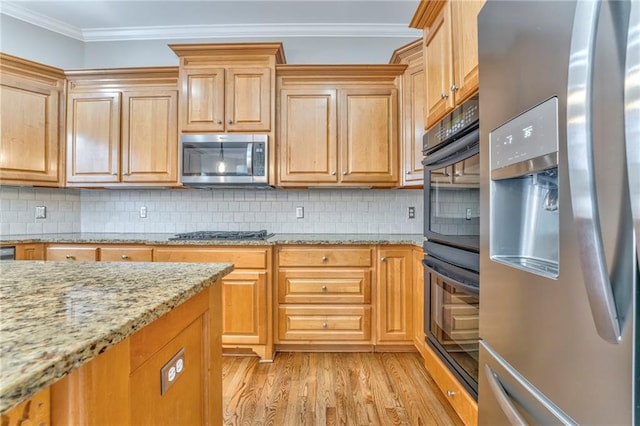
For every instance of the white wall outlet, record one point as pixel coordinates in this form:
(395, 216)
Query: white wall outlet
(41, 212)
(171, 371)
(412, 212)
(299, 212)
(468, 216)
(143, 212)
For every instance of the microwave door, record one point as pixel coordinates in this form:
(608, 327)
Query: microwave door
(249, 159)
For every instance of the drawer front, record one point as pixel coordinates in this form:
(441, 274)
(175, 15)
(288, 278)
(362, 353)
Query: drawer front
(83, 254)
(329, 256)
(324, 323)
(126, 254)
(324, 286)
(242, 258)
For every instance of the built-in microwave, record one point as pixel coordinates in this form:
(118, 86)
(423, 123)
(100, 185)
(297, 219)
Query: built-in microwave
(224, 159)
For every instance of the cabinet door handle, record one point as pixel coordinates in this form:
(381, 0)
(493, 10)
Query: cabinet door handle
(324, 258)
(230, 121)
(324, 288)
(451, 393)
(70, 256)
(344, 173)
(333, 173)
(124, 256)
(444, 96)
(325, 325)
(219, 121)
(454, 88)
(384, 259)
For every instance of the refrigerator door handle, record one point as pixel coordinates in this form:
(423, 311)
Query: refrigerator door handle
(582, 183)
(632, 116)
(502, 398)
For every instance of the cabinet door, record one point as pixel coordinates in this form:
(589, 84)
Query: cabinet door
(150, 136)
(413, 107)
(93, 137)
(368, 136)
(438, 67)
(30, 251)
(464, 17)
(395, 307)
(419, 335)
(248, 99)
(202, 100)
(308, 143)
(29, 149)
(244, 308)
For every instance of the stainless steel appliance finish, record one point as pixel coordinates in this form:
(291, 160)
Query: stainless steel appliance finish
(560, 348)
(223, 235)
(224, 160)
(7, 253)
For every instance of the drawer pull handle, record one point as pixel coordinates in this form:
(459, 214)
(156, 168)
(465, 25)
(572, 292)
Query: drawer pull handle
(325, 325)
(451, 393)
(324, 288)
(324, 258)
(384, 259)
(124, 256)
(69, 256)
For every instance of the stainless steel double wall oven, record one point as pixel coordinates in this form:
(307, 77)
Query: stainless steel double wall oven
(451, 243)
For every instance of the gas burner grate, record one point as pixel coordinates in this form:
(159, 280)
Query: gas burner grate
(223, 235)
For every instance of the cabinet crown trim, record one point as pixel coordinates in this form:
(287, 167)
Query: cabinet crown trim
(426, 12)
(30, 69)
(346, 72)
(406, 51)
(230, 49)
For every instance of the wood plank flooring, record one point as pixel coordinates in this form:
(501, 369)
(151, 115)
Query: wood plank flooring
(301, 388)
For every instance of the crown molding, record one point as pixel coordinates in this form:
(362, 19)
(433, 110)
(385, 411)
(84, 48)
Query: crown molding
(224, 31)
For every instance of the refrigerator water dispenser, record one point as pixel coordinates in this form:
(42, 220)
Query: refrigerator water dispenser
(524, 218)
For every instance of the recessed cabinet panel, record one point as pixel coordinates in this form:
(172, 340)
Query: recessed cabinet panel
(93, 132)
(202, 103)
(248, 99)
(438, 67)
(308, 141)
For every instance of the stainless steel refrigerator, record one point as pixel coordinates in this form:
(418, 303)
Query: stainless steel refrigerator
(559, 209)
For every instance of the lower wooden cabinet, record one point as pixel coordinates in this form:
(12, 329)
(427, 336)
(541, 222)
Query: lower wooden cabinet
(419, 335)
(72, 252)
(306, 324)
(33, 251)
(34, 411)
(246, 293)
(119, 253)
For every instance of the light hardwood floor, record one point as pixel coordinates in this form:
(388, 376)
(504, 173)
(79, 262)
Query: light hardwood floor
(333, 389)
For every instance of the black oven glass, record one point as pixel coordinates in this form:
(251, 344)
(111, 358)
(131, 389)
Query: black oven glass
(452, 326)
(453, 203)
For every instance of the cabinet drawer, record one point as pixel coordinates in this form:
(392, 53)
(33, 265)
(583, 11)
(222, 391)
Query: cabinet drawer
(87, 254)
(242, 258)
(324, 323)
(325, 256)
(126, 254)
(324, 286)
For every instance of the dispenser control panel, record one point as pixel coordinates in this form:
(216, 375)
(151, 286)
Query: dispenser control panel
(530, 135)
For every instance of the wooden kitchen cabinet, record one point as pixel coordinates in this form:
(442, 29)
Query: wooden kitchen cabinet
(31, 119)
(324, 296)
(419, 335)
(338, 125)
(34, 411)
(246, 293)
(395, 294)
(450, 53)
(412, 95)
(225, 100)
(123, 253)
(33, 251)
(72, 252)
(122, 127)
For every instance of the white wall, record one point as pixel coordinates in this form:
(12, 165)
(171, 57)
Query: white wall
(28, 41)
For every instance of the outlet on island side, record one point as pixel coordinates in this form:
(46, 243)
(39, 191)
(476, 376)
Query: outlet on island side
(412, 212)
(143, 212)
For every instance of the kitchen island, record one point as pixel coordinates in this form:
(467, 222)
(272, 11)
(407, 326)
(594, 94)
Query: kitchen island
(99, 334)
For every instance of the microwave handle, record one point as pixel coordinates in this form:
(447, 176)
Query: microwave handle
(250, 159)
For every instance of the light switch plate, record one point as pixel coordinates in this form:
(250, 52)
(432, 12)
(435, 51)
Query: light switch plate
(171, 371)
(299, 212)
(41, 212)
(143, 212)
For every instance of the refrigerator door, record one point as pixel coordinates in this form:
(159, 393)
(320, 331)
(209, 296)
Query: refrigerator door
(545, 328)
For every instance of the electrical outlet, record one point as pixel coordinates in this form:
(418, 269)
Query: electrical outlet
(143, 212)
(412, 212)
(170, 372)
(299, 212)
(41, 212)
(468, 214)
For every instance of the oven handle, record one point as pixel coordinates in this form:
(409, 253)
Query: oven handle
(446, 271)
(436, 160)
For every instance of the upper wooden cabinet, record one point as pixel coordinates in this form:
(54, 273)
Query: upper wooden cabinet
(227, 87)
(338, 125)
(122, 127)
(412, 112)
(32, 107)
(450, 53)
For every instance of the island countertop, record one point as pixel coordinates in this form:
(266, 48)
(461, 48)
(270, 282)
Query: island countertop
(56, 316)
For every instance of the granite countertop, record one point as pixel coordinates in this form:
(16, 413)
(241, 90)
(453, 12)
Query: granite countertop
(56, 316)
(158, 239)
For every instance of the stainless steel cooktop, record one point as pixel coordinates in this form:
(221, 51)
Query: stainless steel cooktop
(223, 235)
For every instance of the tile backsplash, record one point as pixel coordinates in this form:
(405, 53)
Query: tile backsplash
(348, 211)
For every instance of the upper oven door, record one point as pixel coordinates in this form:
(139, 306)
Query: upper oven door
(452, 193)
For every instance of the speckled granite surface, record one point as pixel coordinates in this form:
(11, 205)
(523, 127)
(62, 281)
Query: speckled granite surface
(55, 316)
(157, 239)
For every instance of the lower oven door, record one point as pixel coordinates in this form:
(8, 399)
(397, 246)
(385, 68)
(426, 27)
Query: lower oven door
(452, 318)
